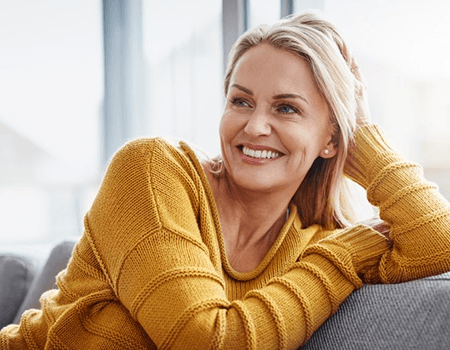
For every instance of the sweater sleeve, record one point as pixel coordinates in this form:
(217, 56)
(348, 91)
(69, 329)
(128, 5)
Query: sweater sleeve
(418, 215)
(145, 228)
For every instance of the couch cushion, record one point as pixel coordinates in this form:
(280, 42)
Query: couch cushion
(16, 275)
(412, 315)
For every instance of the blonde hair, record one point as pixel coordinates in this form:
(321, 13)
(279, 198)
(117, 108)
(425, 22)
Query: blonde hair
(322, 196)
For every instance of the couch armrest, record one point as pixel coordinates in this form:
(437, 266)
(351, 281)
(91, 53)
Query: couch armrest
(412, 315)
(16, 275)
(45, 279)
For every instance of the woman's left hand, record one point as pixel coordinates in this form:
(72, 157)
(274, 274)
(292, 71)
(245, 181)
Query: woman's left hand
(378, 225)
(362, 103)
(362, 112)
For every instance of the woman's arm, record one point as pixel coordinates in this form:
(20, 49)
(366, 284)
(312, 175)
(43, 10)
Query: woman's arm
(147, 227)
(418, 216)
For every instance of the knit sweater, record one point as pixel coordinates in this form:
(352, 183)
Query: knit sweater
(151, 270)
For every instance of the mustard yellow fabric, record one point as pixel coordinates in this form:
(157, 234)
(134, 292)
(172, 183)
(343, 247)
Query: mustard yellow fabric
(150, 270)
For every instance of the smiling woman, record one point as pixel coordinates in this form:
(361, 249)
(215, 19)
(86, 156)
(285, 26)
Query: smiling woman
(178, 254)
(322, 74)
(274, 105)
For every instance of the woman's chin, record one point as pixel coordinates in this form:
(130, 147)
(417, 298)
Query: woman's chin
(257, 181)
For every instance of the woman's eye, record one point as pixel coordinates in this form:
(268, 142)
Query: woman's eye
(240, 102)
(287, 109)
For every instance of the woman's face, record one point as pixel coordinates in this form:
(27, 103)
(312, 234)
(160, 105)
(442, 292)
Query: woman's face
(275, 122)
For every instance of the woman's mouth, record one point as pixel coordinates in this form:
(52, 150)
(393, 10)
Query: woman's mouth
(260, 153)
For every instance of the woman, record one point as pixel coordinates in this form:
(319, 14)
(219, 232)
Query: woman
(254, 249)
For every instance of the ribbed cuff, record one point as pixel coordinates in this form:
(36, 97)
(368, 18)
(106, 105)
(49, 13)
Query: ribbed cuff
(359, 246)
(366, 244)
(370, 153)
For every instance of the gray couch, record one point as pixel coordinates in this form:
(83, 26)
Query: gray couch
(413, 315)
(23, 280)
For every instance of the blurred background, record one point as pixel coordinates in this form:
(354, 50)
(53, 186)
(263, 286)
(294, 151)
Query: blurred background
(78, 78)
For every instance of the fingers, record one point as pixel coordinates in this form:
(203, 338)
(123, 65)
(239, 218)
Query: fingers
(362, 105)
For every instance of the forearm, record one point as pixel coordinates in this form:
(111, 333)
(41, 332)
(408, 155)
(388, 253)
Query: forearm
(186, 307)
(193, 311)
(290, 308)
(418, 216)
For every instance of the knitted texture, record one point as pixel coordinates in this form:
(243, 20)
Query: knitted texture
(151, 271)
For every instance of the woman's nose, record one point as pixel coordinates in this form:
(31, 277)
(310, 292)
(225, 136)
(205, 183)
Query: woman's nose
(258, 124)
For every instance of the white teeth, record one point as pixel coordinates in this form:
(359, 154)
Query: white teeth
(260, 154)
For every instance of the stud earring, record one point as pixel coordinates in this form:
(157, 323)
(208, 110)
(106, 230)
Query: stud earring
(325, 151)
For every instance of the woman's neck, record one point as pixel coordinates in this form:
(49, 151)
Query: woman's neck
(250, 221)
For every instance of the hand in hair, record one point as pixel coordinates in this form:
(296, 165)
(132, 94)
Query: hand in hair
(362, 107)
(362, 111)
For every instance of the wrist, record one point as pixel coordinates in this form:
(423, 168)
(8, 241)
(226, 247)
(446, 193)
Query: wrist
(358, 247)
(368, 154)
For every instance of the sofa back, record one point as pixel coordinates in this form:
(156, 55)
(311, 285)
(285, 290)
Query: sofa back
(411, 315)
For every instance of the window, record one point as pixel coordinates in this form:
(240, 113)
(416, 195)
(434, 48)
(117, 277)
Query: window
(50, 113)
(263, 12)
(183, 56)
(403, 49)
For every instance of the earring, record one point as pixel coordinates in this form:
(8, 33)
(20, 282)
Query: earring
(325, 151)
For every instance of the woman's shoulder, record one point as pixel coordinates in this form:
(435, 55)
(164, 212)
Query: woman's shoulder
(145, 145)
(151, 152)
(149, 164)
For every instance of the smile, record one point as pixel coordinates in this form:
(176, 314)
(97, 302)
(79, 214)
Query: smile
(259, 154)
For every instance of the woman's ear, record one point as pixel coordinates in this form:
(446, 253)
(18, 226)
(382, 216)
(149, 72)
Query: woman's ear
(329, 151)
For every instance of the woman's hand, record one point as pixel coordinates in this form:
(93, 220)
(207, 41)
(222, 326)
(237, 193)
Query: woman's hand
(362, 104)
(362, 108)
(378, 225)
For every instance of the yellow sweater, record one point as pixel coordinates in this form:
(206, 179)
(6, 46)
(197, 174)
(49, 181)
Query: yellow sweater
(150, 270)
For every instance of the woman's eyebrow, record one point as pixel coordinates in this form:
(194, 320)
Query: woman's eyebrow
(276, 97)
(247, 91)
(281, 96)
